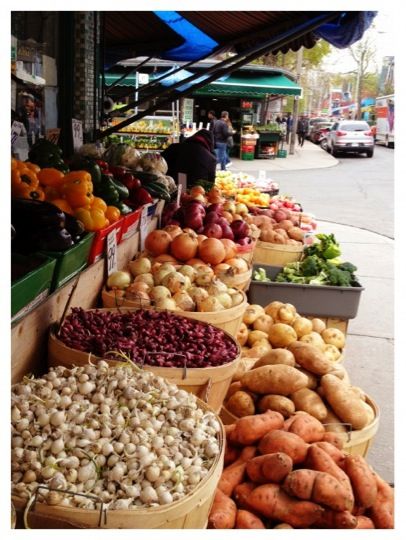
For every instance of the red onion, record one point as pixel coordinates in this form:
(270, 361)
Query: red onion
(227, 232)
(215, 207)
(240, 229)
(142, 332)
(213, 230)
(244, 241)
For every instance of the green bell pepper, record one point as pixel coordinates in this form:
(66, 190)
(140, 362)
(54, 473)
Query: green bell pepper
(107, 190)
(123, 190)
(80, 163)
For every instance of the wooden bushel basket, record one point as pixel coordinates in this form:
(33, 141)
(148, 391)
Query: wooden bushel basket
(276, 254)
(228, 320)
(209, 384)
(191, 512)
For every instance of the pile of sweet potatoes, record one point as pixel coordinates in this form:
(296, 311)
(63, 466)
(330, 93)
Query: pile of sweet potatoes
(293, 474)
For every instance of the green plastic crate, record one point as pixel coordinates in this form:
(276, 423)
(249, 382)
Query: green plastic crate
(247, 157)
(29, 290)
(282, 153)
(70, 262)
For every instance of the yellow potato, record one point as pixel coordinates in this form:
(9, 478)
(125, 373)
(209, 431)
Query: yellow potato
(333, 336)
(314, 339)
(241, 404)
(276, 356)
(309, 401)
(281, 335)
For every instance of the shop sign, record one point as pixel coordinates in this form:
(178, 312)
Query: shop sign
(187, 110)
(143, 78)
(111, 252)
(246, 104)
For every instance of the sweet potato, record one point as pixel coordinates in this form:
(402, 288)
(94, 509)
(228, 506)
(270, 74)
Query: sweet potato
(311, 357)
(223, 513)
(248, 520)
(337, 455)
(274, 379)
(240, 404)
(269, 468)
(335, 439)
(306, 426)
(308, 401)
(319, 487)
(346, 404)
(241, 494)
(272, 502)
(232, 389)
(318, 460)
(276, 356)
(252, 428)
(330, 519)
(381, 512)
(364, 522)
(282, 441)
(363, 480)
(231, 454)
(280, 404)
(231, 477)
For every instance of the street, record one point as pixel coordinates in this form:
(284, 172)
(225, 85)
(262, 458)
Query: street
(355, 201)
(358, 192)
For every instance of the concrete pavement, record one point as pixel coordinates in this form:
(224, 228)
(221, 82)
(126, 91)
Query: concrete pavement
(369, 354)
(310, 156)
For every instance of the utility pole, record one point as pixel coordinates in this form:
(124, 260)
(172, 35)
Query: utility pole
(299, 62)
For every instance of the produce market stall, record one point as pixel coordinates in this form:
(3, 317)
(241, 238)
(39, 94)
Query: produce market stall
(146, 391)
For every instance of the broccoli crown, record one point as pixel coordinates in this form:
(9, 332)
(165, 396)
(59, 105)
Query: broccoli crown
(310, 266)
(348, 267)
(338, 277)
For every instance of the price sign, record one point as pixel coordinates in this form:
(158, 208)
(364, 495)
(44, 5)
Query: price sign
(159, 210)
(77, 133)
(52, 135)
(179, 194)
(111, 252)
(16, 128)
(182, 181)
(144, 222)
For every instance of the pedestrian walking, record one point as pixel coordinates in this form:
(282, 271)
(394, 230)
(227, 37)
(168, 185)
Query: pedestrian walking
(302, 129)
(221, 134)
(230, 139)
(289, 126)
(211, 115)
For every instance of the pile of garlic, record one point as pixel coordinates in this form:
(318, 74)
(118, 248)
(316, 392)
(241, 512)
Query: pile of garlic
(120, 433)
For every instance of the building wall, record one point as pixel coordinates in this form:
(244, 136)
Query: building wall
(86, 94)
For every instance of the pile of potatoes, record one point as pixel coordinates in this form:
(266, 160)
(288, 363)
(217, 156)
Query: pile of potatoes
(278, 325)
(299, 378)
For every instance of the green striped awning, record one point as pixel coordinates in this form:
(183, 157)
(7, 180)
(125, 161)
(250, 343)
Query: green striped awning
(251, 87)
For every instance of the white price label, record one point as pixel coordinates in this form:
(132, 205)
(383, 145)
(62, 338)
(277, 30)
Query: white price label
(182, 181)
(77, 133)
(179, 194)
(16, 128)
(159, 210)
(111, 252)
(144, 222)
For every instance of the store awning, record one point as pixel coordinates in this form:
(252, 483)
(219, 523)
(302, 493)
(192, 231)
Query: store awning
(254, 87)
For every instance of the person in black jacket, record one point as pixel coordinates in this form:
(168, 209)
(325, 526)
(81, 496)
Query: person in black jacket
(221, 134)
(194, 157)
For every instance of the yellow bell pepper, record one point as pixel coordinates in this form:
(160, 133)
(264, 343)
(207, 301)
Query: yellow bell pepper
(92, 219)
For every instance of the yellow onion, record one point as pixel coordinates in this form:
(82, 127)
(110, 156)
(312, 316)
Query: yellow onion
(140, 266)
(166, 303)
(198, 294)
(184, 301)
(210, 304)
(225, 300)
(175, 281)
(119, 280)
(204, 276)
(217, 287)
(188, 271)
(159, 292)
(145, 278)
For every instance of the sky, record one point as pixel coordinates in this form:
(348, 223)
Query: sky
(341, 61)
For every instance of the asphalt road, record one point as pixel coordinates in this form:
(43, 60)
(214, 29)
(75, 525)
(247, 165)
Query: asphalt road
(359, 191)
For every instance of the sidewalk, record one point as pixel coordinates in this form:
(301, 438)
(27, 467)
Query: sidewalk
(369, 353)
(310, 156)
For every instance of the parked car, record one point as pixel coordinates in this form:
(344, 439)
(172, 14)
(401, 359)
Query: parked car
(313, 122)
(318, 129)
(350, 136)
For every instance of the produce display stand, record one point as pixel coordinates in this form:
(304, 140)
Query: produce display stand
(29, 334)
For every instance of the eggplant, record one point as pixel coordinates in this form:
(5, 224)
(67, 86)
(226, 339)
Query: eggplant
(75, 227)
(27, 213)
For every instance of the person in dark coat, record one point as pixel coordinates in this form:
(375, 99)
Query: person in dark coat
(194, 157)
(302, 129)
(221, 134)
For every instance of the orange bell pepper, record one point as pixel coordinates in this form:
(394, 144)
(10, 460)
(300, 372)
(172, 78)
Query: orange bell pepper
(50, 177)
(52, 193)
(63, 205)
(100, 204)
(113, 214)
(32, 167)
(77, 189)
(25, 185)
(25, 191)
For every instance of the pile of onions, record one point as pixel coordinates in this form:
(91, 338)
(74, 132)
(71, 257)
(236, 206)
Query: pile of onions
(142, 332)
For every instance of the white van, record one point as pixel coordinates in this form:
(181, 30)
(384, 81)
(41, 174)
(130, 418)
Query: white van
(385, 120)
